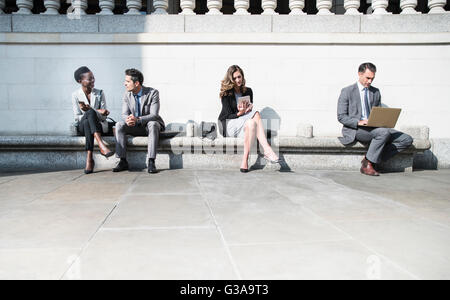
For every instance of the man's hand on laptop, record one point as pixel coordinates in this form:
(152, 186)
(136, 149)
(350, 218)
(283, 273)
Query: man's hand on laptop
(363, 122)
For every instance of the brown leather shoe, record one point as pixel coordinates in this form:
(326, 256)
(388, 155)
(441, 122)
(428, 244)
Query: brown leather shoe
(367, 168)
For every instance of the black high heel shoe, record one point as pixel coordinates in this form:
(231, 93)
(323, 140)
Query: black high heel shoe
(243, 170)
(90, 171)
(107, 155)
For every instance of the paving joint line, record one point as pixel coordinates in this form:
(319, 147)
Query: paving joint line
(222, 237)
(86, 245)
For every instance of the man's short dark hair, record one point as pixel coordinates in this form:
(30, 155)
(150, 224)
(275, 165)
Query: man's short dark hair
(135, 75)
(367, 65)
(80, 71)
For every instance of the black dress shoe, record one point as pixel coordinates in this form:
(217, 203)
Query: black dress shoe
(121, 166)
(151, 166)
(243, 170)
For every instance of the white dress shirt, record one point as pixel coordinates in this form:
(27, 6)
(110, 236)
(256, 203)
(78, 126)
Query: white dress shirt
(363, 105)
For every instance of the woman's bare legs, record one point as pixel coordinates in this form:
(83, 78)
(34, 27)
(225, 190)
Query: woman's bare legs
(249, 137)
(89, 161)
(261, 135)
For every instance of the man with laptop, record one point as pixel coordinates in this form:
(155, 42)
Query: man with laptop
(354, 110)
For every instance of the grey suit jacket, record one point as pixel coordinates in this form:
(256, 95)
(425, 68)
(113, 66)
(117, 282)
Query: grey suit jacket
(98, 101)
(349, 110)
(149, 106)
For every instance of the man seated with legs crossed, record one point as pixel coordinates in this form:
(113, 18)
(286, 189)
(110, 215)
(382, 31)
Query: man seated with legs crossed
(140, 114)
(354, 105)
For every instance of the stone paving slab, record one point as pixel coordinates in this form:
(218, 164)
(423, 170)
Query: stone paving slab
(36, 264)
(344, 259)
(155, 254)
(51, 225)
(418, 246)
(155, 211)
(222, 224)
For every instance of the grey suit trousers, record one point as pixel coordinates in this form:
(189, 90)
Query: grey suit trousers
(384, 143)
(152, 130)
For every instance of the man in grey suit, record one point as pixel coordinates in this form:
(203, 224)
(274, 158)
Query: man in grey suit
(354, 105)
(140, 114)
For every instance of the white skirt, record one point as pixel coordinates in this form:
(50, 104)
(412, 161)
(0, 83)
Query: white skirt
(236, 127)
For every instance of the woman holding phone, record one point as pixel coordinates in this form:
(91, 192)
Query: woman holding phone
(238, 119)
(89, 109)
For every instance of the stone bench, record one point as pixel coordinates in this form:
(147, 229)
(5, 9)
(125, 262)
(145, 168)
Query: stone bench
(188, 151)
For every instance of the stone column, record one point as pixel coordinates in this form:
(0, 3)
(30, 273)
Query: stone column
(188, 7)
(52, 7)
(161, 7)
(106, 7)
(408, 7)
(324, 6)
(214, 7)
(241, 7)
(25, 7)
(351, 7)
(379, 7)
(269, 7)
(79, 7)
(296, 7)
(2, 6)
(134, 7)
(436, 6)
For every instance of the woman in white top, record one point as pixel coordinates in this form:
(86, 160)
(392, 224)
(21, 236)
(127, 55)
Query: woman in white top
(89, 109)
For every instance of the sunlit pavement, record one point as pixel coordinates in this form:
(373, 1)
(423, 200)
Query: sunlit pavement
(222, 224)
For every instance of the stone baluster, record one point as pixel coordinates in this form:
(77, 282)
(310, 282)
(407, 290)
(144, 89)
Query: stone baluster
(52, 7)
(106, 7)
(241, 7)
(2, 6)
(134, 7)
(25, 7)
(379, 7)
(161, 7)
(436, 6)
(324, 6)
(214, 7)
(296, 7)
(408, 6)
(188, 7)
(269, 7)
(351, 7)
(79, 7)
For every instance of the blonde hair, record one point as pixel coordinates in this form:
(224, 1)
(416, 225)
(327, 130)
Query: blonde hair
(227, 84)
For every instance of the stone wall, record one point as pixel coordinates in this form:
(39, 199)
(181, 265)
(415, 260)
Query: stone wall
(295, 65)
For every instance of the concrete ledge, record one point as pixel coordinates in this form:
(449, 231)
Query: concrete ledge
(5, 23)
(65, 152)
(233, 24)
(333, 145)
(422, 23)
(438, 157)
(188, 144)
(228, 38)
(141, 23)
(228, 23)
(60, 24)
(316, 23)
